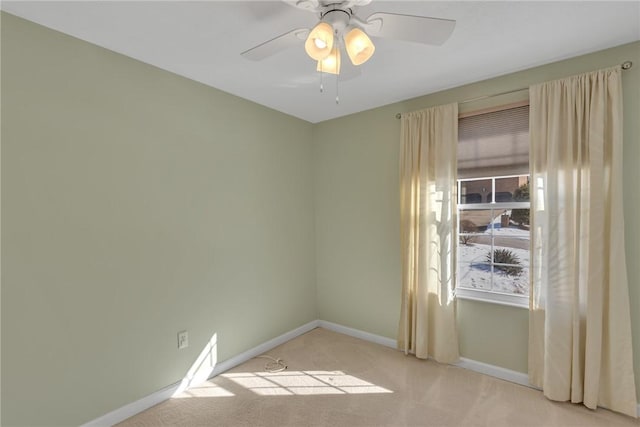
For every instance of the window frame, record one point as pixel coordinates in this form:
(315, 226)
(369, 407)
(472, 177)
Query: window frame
(484, 295)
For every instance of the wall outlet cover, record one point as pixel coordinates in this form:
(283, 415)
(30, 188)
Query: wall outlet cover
(183, 340)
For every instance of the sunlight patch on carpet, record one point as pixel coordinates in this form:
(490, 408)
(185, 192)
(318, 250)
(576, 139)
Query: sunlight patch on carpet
(303, 383)
(207, 389)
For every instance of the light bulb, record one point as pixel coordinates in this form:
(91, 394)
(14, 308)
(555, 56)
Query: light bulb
(330, 64)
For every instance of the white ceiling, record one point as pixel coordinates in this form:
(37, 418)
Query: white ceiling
(203, 40)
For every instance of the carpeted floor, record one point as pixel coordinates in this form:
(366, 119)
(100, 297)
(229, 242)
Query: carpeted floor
(336, 380)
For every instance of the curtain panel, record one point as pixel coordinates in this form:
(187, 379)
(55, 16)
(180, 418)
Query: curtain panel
(429, 140)
(580, 329)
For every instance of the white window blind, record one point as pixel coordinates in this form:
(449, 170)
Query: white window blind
(493, 144)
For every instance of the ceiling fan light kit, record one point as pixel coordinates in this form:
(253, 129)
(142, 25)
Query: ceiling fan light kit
(335, 26)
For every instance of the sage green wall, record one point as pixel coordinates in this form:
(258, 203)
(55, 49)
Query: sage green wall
(357, 220)
(135, 204)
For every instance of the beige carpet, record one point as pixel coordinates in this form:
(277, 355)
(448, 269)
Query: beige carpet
(336, 380)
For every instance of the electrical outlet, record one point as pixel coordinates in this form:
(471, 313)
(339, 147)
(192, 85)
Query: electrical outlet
(183, 340)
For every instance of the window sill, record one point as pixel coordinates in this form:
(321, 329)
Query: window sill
(520, 301)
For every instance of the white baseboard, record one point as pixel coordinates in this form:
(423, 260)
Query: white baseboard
(131, 409)
(494, 371)
(356, 333)
(262, 348)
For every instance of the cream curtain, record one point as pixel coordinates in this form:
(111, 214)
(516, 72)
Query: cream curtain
(429, 141)
(580, 329)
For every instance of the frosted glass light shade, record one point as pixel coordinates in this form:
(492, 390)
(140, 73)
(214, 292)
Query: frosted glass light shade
(330, 64)
(359, 46)
(320, 41)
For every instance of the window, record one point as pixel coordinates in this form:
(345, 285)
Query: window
(493, 207)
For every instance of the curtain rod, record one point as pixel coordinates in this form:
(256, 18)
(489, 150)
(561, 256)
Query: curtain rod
(625, 66)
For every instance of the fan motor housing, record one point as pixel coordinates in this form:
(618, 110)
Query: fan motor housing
(337, 17)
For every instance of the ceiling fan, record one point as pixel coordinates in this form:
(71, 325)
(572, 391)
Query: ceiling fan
(340, 26)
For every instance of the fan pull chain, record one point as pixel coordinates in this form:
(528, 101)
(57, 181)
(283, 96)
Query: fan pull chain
(337, 75)
(321, 85)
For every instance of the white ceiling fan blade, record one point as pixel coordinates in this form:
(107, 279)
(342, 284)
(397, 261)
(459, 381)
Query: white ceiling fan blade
(421, 29)
(275, 45)
(311, 5)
